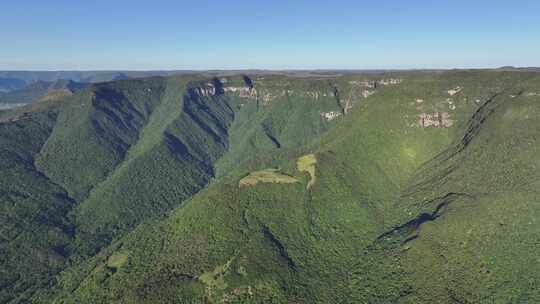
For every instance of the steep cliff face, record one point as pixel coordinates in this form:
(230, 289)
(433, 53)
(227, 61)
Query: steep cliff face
(281, 115)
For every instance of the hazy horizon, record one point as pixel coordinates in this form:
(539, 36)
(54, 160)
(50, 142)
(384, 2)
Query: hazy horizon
(276, 70)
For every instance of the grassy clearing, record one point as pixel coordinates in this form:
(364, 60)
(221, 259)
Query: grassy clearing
(266, 176)
(307, 163)
(117, 260)
(215, 280)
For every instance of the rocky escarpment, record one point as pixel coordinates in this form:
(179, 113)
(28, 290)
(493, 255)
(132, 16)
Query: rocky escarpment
(345, 94)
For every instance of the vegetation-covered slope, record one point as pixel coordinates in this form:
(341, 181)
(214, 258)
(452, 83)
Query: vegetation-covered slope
(34, 233)
(384, 188)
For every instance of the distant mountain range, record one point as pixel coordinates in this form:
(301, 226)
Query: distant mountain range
(39, 90)
(80, 76)
(22, 87)
(14, 80)
(10, 84)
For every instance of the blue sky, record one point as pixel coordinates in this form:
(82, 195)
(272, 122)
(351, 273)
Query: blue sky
(272, 34)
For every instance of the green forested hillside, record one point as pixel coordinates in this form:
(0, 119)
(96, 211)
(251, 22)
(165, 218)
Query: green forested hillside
(34, 232)
(409, 187)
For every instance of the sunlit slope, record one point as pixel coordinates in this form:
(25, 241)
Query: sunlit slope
(172, 159)
(94, 131)
(474, 234)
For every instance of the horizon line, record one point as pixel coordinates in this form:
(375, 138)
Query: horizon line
(274, 70)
